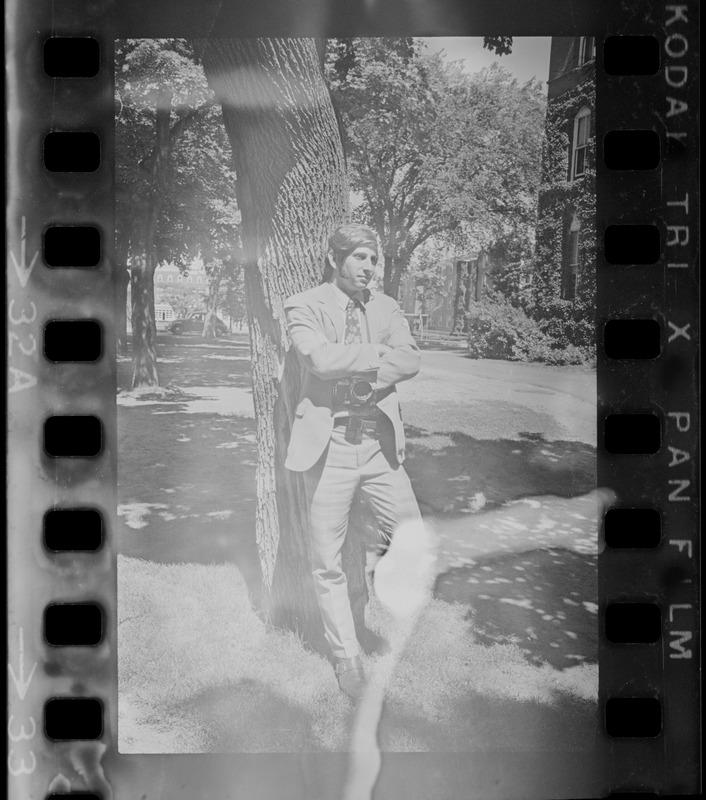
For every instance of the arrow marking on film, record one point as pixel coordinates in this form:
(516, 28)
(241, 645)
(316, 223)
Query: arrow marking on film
(60, 784)
(22, 685)
(23, 271)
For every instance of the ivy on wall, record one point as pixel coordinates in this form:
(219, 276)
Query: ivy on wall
(560, 200)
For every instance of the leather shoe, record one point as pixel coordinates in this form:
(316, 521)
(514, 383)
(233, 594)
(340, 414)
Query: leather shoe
(371, 643)
(350, 675)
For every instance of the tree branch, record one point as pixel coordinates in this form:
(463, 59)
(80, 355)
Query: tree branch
(424, 234)
(183, 122)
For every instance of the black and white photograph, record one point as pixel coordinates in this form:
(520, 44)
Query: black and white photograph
(353, 409)
(356, 394)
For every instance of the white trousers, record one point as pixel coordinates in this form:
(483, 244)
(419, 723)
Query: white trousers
(344, 470)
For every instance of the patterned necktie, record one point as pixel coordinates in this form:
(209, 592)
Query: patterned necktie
(353, 332)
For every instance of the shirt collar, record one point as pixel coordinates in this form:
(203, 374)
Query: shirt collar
(342, 298)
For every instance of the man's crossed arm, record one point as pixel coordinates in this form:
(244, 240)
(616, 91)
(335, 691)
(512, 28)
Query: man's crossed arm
(397, 359)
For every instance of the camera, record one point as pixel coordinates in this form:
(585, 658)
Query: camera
(353, 392)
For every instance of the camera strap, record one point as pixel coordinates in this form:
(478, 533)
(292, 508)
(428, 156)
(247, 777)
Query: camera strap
(354, 430)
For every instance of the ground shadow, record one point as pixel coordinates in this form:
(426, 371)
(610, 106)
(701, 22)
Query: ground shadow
(543, 600)
(187, 487)
(479, 722)
(247, 716)
(191, 476)
(190, 360)
(250, 716)
(449, 470)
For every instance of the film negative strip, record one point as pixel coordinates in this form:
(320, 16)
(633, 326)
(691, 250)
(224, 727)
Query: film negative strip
(80, 722)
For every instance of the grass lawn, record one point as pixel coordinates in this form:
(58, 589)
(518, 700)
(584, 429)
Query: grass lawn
(200, 672)
(505, 656)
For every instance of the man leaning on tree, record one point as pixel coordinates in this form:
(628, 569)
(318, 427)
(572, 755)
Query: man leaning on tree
(347, 437)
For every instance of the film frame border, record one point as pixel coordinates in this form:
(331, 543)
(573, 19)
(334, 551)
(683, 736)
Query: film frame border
(666, 670)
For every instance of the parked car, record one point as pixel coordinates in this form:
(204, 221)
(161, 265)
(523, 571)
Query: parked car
(194, 324)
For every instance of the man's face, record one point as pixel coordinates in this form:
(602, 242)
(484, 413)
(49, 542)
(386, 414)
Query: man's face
(356, 271)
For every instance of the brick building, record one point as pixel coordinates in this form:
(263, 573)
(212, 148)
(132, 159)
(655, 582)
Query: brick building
(566, 228)
(462, 279)
(171, 284)
(168, 277)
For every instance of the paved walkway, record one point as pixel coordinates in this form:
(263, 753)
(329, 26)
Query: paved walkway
(555, 402)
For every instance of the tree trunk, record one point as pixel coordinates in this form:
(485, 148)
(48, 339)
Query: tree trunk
(144, 327)
(291, 190)
(481, 269)
(390, 281)
(467, 295)
(459, 321)
(395, 265)
(122, 280)
(209, 324)
(143, 261)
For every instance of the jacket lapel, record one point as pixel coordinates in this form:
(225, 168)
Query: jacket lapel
(332, 311)
(373, 318)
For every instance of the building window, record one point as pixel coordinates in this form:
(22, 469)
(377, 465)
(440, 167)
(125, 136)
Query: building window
(160, 278)
(579, 144)
(170, 278)
(587, 49)
(180, 278)
(189, 279)
(571, 271)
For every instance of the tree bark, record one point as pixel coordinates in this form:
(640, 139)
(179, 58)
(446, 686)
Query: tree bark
(392, 275)
(397, 258)
(123, 281)
(481, 269)
(144, 327)
(387, 278)
(291, 190)
(209, 324)
(460, 301)
(143, 260)
(467, 295)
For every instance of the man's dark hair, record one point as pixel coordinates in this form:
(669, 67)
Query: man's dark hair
(343, 241)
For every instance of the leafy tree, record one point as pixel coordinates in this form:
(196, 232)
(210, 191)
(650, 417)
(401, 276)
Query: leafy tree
(218, 270)
(428, 270)
(183, 303)
(232, 296)
(513, 280)
(390, 103)
(500, 45)
(203, 216)
(171, 174)
(434, 152)
(510, 117)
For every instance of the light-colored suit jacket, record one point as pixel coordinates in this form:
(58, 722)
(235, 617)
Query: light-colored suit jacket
(316, 327)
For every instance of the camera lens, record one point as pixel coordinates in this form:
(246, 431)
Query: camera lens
(362, 390)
